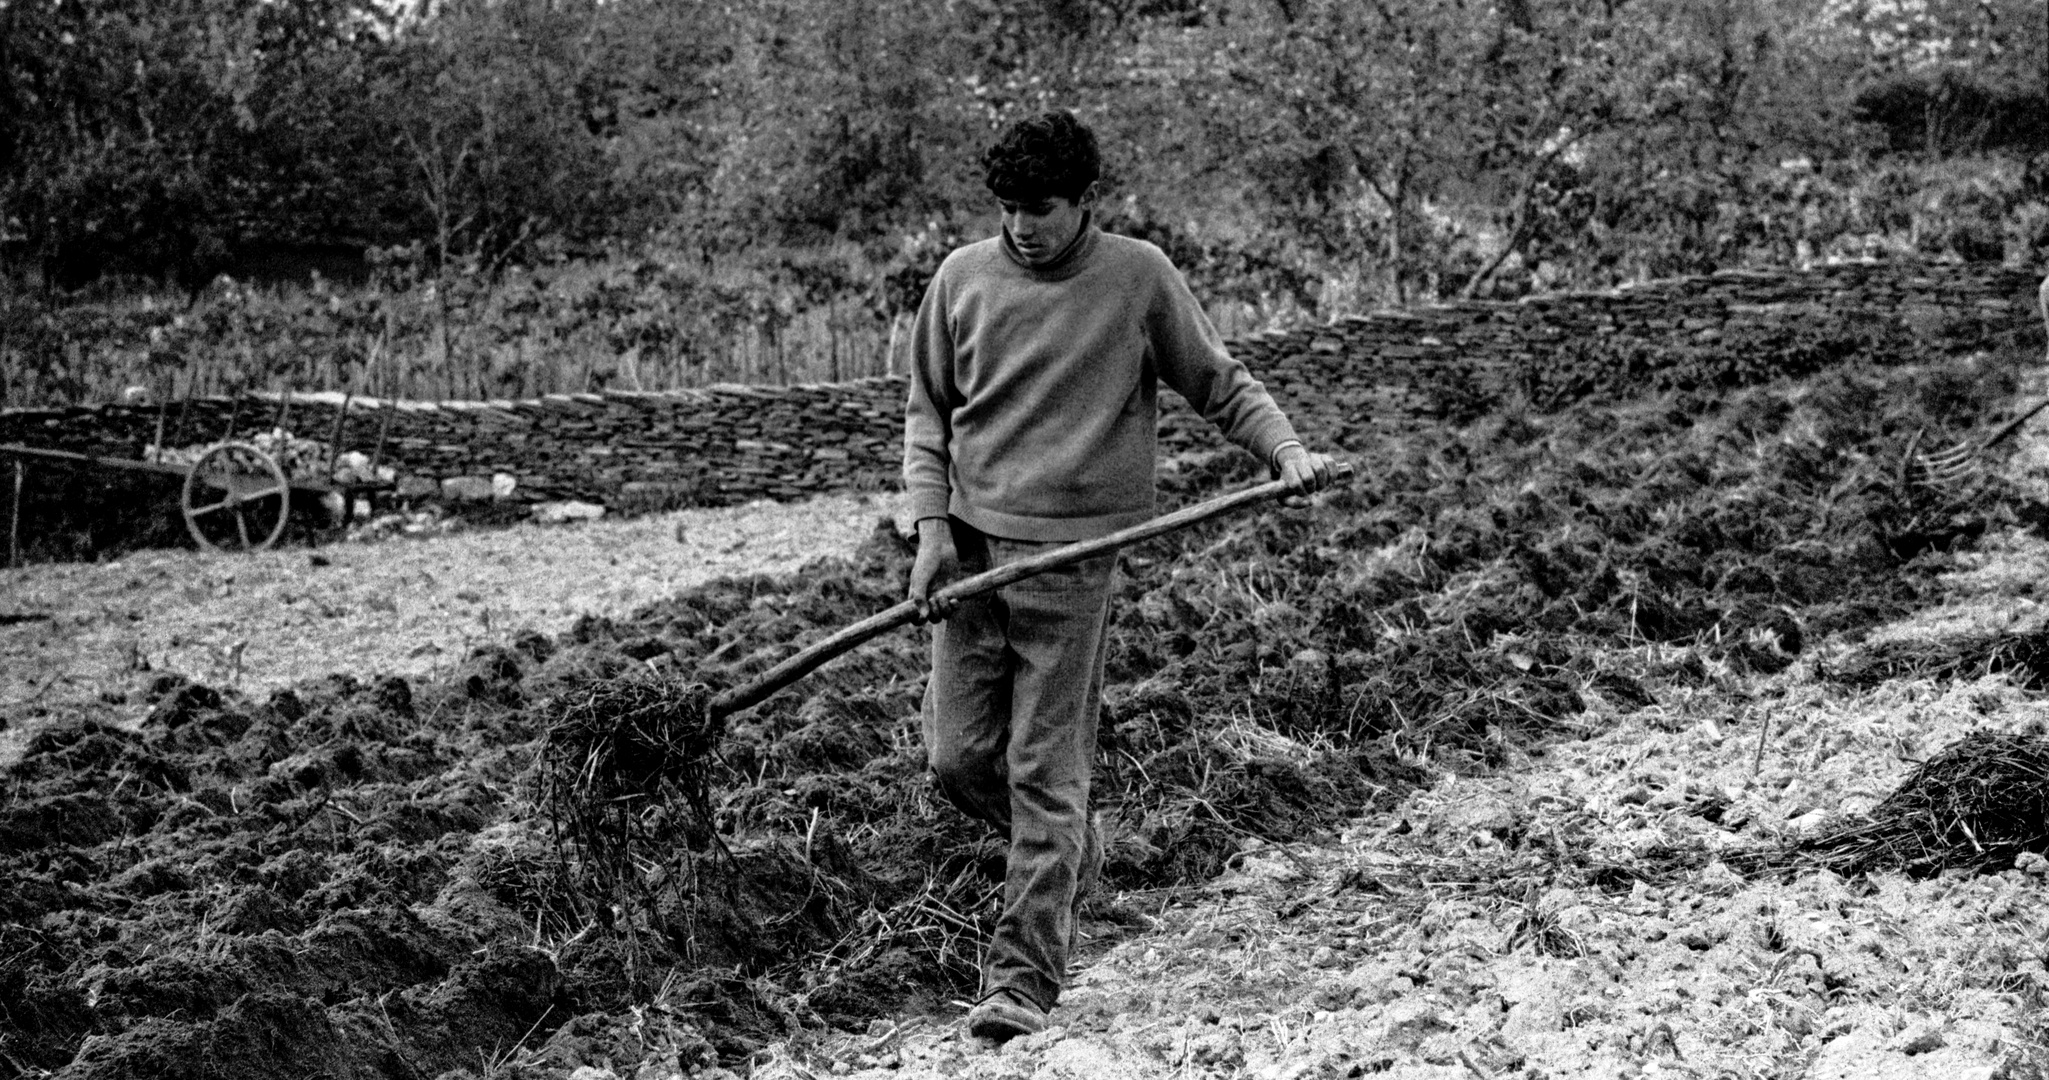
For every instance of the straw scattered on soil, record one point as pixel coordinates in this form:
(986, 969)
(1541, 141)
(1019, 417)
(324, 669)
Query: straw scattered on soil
(1571, 915)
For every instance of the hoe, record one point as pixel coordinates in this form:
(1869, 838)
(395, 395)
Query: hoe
(758, 689)
(625, 761)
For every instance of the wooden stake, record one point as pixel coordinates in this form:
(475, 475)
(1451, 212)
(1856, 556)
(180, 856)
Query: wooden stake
(1764, 732)
(184, 407)
(163, 407)
(234, 416)
(14, 520)
(383, 430)
(334, 438)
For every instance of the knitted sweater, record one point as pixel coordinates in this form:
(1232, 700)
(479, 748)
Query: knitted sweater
(1034, 391)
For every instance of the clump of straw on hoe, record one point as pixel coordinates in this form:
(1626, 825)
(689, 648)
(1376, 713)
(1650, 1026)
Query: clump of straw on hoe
(623, 776)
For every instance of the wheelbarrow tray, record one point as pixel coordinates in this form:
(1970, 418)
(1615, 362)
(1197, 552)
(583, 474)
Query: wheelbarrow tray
(159, 477)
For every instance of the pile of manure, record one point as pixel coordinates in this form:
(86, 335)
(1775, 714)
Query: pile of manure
(1975, 806)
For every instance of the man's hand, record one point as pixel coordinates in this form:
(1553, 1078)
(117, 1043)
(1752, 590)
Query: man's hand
(1306, 473)
(937, 565)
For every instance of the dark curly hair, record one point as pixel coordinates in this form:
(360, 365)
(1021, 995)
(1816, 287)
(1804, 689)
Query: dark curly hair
(1044, 156)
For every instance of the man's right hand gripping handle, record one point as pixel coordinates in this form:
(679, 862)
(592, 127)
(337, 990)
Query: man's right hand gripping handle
(937, 564)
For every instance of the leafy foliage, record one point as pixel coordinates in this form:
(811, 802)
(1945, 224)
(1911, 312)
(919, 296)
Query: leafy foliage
(809, 163)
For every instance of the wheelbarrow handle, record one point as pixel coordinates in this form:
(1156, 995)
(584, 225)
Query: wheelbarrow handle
(755, 690)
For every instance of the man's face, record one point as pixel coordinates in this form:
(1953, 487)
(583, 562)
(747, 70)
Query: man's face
(1042, 230)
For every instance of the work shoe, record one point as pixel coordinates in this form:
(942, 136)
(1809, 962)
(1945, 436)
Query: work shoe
(1004, 1014)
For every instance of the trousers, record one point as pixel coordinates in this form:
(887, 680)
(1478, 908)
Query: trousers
(1009, 719)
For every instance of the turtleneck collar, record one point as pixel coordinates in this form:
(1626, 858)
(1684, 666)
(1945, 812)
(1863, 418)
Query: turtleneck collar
(1071, 258)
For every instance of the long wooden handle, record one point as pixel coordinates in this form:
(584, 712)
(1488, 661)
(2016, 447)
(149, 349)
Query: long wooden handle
(755, 690)
(2014, 424)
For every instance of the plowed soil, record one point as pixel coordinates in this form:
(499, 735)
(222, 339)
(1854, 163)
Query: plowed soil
(1440, 776)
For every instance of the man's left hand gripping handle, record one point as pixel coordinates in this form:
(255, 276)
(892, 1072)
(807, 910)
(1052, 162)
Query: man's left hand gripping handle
(938, 563)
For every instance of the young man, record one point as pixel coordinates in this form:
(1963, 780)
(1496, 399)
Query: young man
(1036, 358)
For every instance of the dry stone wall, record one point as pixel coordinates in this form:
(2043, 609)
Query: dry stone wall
(1341, 382)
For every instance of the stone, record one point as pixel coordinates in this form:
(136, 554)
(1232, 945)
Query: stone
(467, 489)
(1480, 811)
(558, 513)
(414, 487)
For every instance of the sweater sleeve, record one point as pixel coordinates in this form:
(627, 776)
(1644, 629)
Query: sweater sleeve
(1192, 360)
(928, 415)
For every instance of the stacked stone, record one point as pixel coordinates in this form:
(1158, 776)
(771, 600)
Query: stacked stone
(1342, 382)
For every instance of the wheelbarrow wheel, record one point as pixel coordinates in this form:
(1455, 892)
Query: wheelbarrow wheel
(235, 499)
